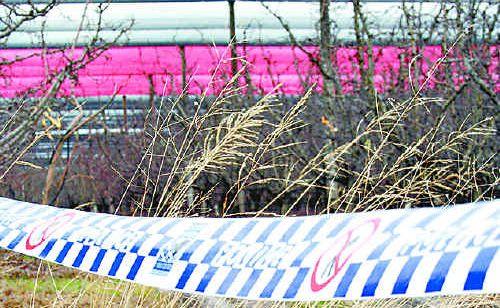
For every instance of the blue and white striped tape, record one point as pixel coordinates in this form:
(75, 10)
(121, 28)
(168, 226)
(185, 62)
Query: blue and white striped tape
(380, 254)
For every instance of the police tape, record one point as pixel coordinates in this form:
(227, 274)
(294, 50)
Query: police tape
(379, 254)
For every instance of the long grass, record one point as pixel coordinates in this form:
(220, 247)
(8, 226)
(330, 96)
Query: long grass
(212, 159)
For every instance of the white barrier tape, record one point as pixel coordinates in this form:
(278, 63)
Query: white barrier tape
(380, 254)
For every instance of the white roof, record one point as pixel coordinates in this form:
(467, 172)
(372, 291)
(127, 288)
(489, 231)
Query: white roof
(178, 23)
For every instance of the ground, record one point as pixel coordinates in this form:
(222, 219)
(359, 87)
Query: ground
(26, 281)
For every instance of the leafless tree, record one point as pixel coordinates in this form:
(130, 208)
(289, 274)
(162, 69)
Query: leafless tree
(25, 119)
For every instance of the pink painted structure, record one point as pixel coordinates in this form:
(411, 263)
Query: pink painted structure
(130, 70)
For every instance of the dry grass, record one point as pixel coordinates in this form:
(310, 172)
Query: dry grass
(41, 284)
(185, 158)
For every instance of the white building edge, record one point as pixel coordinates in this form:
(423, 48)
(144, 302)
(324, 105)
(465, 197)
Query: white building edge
(190, 23)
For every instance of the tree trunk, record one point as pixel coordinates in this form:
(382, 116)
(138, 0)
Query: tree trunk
(232, 39)
(325, 48)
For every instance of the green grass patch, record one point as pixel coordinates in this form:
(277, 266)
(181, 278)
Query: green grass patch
(47, 285)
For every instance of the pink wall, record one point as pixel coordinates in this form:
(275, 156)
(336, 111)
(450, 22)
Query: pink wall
(126, 69)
